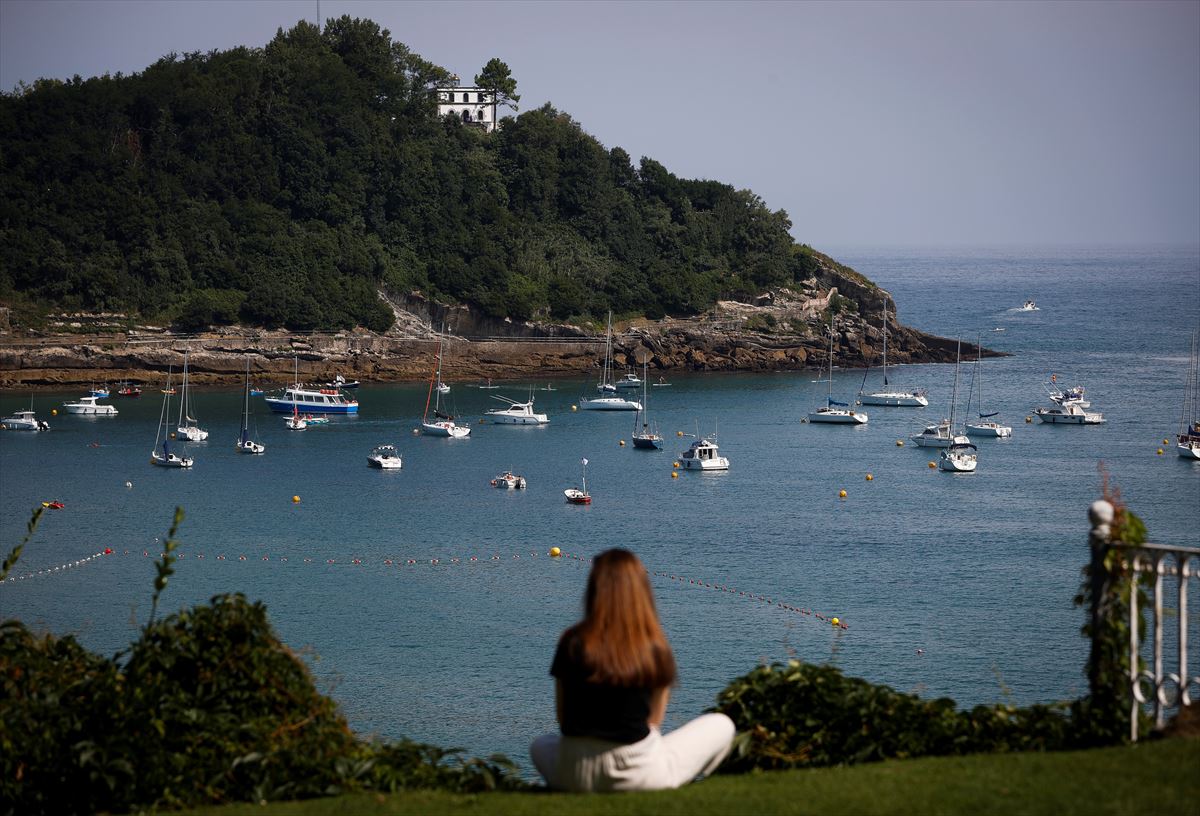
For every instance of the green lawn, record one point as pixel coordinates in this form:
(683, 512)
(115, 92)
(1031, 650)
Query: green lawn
(1161, 777)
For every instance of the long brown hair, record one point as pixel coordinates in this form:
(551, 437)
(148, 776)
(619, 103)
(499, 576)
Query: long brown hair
(621, 640)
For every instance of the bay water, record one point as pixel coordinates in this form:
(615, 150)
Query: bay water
(949, 585)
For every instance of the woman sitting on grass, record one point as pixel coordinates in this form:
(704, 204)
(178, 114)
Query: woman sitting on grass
(612, 676)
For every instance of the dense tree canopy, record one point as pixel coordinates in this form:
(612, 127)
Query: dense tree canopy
(288, 185)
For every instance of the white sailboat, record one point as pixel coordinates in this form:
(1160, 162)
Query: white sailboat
(442, 424)
(245, 444)
(645, 435)
(960, 456)
(1188, 445)
(985, 425)
(187, 427)
(164, 456)
(889, 395)
(609, 401)
(834, 412)
(574, 494)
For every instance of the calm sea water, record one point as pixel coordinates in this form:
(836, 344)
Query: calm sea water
(977, 571)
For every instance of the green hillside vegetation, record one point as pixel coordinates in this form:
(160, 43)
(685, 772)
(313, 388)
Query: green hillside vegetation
(286, 186)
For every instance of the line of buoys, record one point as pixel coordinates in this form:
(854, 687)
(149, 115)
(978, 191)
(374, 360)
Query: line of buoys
(775, 602)
(59, 568)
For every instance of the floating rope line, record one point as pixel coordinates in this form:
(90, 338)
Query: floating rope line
(443, 562)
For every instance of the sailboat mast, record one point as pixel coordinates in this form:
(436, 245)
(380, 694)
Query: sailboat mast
(829, 399)
(954, 391)
(885, 341)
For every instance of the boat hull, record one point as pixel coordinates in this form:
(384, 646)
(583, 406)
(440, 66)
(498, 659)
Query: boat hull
(251, 447)
(957, 465)
(523, 419)
(894, 400)
(649, 442)
(445, 430)
(989, 429)
(837, 416)
(1189, 450)
(385, 462)
(191, 433)
(1054, 418)
(90, 410)
(287, 406)
(609, 404)
(171, 460)
(576, 496)
(20, 422)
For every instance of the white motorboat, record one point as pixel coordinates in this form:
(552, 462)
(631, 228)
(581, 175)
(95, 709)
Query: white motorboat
(1188, 446)
(892, 395)
(245, 444)
(509, 481)
(1070, 408)
(442, 388)
(630, 380)
(517, 413)
(23, 421)
(386, 457)
(985, 425)
(702, 455)
(959, 458)
(89, 407)
(163, 456)
(608, 401)
(187, 427)
(834, 412)
(1029, 306)
(441, 424)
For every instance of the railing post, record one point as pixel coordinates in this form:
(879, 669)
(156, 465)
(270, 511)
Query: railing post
(1101, 514)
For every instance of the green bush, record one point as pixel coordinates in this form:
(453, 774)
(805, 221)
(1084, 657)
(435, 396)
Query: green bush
(804, 715)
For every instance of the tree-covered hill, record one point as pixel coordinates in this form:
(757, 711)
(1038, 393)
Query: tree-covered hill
(288, 185)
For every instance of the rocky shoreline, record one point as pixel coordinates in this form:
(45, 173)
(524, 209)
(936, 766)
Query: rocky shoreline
(783, 335)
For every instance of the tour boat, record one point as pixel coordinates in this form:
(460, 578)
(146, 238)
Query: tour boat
(386, 457)
(1189, 422)
(312, 398)
(890, 395)
(88, 406)
(509, 481)
(187, 427)
(517, 413)
(834, 412)
(702, 455)
(609, 401)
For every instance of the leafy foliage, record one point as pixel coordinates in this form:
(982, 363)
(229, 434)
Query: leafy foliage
(287, 185)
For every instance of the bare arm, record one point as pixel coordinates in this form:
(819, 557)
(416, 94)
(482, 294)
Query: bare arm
(658, 705)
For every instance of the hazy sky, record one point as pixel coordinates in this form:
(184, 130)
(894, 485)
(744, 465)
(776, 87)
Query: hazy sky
(870, 124)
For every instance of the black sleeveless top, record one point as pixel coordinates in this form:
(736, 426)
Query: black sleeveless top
(596, 710)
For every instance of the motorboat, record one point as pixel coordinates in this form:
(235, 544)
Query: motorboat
(385, 456)
(509, 481)
(890, 395)
(1070, 407)
(129, 390)
(1029, 306)
(341, 382)
(187, 427)
(938, 435)
(316, 420)
(575, 495)
(101, 392)
(630, 380)
(702, 455)
(23, 421)
(959, 458)
(608, 399)
(984, 425)
(1188, 446)
(89, 407)
(834, 412)
(443, 388)
(312, 398)
(245, 444)
(517, 413)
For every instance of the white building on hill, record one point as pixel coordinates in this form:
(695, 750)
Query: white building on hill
(474, 106)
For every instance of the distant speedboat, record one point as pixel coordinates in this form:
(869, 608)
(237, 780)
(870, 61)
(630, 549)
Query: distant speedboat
(89, 407)
(385, 457)
(509, 481)
(517, 413)
(1070, 408)
(1029, 306)
(702, 455)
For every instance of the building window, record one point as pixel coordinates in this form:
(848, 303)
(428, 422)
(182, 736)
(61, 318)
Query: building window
(466, 116)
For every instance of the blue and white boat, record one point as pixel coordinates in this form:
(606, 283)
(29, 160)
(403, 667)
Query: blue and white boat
(312, 399)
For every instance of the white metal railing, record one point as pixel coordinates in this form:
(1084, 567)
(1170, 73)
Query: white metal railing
(1171, 571)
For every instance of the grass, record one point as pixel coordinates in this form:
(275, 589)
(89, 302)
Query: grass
(1154, 777)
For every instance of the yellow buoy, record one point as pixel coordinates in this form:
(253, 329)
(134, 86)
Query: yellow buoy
(679, 433)
(53, 412)
(1028, 420)
(574, 408)
(870, 477)
(835, 621)
(295, 499)
(416, 431)
(674, 464)
(172, 434)
(1160, 451)
(555, 552)
(622, 443)
(1166, 441)
(841, 494)
(674, 474)
(899, 443)
(933, 464)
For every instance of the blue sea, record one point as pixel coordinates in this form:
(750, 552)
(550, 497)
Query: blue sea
(949, 585)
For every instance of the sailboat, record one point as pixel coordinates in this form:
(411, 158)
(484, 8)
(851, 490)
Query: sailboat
(187, 427)
(165, 457)
(835, 412)
(245, 443)
(1189, 421)
(892, 395)
(575, 495)
(645, 436)
(986, 426)
(442, 424)
(609, 401)
(295, 422)
(960, 456)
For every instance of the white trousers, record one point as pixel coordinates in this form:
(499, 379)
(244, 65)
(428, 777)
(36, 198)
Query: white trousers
(582, 764)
